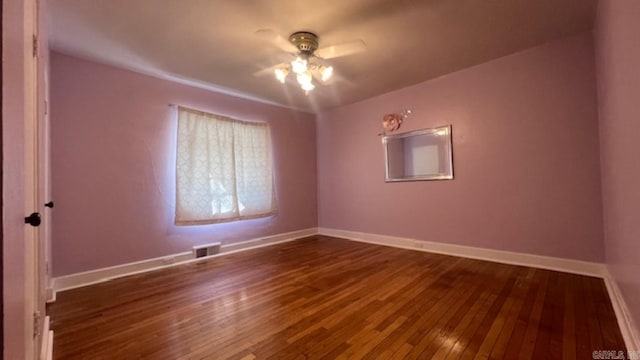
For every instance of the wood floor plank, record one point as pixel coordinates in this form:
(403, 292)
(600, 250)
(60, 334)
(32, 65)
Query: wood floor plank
(497, 326)
(569, 319)
(452, 313)
(329, 298)
(510, 318)
(557, 321)
(593, 323)
(450, 343)
(608, 325)
(517, 336)
(543, 338)
(527, 346)
(583, 341)
(478, 337)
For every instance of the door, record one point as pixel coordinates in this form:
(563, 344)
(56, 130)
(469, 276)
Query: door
(1, 192)
(34, 186)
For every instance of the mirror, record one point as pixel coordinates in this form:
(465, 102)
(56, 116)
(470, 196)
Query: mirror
(419, 155)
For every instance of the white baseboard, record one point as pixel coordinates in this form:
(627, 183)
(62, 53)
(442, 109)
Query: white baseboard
(73, 281)
(505, 257)
(50, 295)
(46, 348)
(627, 326)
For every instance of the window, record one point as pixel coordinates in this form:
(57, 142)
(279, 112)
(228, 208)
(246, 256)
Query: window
(224, 169)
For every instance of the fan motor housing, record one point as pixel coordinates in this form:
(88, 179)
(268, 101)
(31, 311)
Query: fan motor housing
(305, 41)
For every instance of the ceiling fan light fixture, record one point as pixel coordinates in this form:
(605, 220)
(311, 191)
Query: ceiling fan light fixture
(299, 65)
(310, 60)
(304, 78)
(307, 86)
(281, 74)
(326, 72)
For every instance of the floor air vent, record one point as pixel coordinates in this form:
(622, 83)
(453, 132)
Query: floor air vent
(206, 250)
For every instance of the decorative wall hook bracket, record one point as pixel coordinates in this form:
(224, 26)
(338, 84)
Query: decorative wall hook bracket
(391, 122)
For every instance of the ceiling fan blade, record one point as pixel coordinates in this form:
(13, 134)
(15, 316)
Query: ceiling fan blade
(269, 70)
(339, 50)
(276, 39)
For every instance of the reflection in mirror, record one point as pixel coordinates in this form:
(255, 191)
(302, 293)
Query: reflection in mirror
(419, 155)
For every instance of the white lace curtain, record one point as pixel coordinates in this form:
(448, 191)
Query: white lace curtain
(224, 169)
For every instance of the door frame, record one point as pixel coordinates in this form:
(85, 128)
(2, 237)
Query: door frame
(1, 200)
(33, 182)
(18, 108)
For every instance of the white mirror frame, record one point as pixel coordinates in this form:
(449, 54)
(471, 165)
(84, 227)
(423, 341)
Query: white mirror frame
(445, 148)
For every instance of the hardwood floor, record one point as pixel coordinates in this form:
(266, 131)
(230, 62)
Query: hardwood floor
(328, 298)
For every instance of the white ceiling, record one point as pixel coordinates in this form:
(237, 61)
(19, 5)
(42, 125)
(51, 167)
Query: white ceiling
(213, 42)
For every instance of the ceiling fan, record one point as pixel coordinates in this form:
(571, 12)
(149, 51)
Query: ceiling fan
(310, 61)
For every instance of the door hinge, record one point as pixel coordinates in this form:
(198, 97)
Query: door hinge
(36, 324)
(35, 45)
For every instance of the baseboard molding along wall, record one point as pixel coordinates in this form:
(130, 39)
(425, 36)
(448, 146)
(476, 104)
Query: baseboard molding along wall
(599, 270)
(499, 256)
(73, 281)
(46, 347)
(627, 327)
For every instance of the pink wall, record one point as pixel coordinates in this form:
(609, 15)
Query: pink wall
(525, 134)
(113, 161)
(618, 61)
